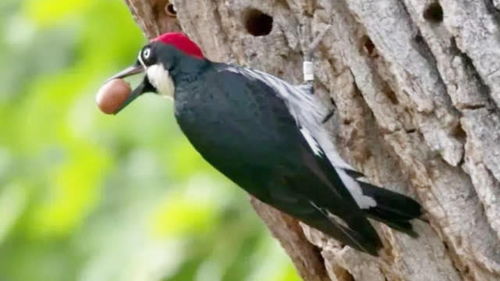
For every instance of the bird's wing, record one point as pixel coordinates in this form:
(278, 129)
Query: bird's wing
(349, 228)
(394, 209)
(286, 157)
(309, 113)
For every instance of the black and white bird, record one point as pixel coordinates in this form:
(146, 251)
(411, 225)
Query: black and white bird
(267, 136)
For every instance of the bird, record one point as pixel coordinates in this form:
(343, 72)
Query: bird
(268, 137)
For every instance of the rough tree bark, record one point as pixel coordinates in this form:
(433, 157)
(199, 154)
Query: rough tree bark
(417, 87)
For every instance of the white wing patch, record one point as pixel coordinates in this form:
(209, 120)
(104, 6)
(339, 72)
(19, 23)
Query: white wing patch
(307, 110)
(311, 141)
(309, 113)
(364, 202)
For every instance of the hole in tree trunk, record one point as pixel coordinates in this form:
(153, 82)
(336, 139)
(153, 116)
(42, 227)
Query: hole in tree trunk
(459, 132)
(342, 273)
(170, 10)
(391, 95)
(434, 13)
(367, 46)
(257, 23)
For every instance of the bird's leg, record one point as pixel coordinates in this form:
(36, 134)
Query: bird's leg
(308, 69)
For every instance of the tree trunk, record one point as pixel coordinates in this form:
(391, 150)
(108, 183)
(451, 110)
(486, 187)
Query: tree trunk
(417, 89)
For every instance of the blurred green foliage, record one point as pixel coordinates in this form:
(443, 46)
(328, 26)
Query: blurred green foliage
(90, 197)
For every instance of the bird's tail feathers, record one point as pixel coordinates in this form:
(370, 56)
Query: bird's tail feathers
(394, 209)
(361, 237)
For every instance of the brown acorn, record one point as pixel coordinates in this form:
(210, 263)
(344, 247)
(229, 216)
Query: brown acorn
(112, 95)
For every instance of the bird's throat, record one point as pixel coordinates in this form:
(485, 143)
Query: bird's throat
(160, 79)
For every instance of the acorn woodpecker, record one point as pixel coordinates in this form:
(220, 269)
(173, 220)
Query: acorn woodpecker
(268, 137)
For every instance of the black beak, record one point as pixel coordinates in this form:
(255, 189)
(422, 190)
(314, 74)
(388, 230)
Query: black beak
(142, 88)
(129, 71)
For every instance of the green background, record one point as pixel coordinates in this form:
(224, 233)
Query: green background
(86, 196)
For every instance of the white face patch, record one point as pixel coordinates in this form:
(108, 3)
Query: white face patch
(161, 80)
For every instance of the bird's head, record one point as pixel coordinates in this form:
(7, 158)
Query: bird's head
(160, 59)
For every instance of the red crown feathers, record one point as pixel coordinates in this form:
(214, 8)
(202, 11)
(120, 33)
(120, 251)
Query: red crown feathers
(181, 42)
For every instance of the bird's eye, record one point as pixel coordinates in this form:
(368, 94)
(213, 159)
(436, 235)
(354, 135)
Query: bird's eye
(146, 53)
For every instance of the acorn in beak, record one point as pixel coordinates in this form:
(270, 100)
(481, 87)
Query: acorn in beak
(116, 93)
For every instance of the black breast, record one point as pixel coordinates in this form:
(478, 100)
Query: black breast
(239, 125)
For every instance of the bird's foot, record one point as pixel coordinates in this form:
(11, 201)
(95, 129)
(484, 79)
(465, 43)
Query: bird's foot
(330, 113)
